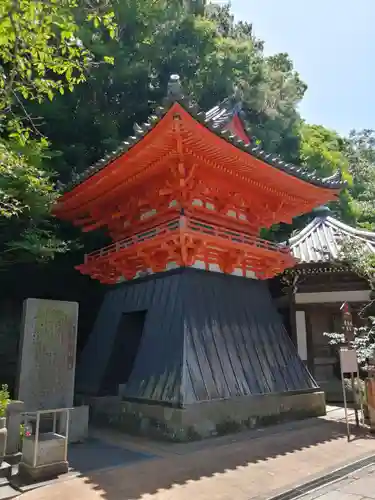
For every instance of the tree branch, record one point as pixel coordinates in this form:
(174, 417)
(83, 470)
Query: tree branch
(13, 71)
(29, 118)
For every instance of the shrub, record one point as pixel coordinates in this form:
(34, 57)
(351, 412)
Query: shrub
(4, 399)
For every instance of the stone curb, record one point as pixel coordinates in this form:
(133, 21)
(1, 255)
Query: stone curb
(324, 480)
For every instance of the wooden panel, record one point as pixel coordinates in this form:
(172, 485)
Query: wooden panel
(301, 334)
(326, 297)
(322, 321)
(333, 282)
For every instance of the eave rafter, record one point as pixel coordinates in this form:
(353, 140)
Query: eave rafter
(261, 188)
(160, 145)
(183, 190)
(248, 145)
(123, 184)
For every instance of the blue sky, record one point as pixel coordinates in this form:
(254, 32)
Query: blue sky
(332, 45)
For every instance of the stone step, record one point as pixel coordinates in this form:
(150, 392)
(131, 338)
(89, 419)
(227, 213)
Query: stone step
(6, 492)
(5, 470)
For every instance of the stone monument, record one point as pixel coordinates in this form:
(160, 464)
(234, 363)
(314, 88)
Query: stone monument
(46, 382)
(47, 354)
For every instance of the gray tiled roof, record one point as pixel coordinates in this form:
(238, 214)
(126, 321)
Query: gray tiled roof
(215, 120)
(319, 241)
(222, 114)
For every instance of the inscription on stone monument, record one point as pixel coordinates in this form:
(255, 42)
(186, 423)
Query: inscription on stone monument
(47, 354)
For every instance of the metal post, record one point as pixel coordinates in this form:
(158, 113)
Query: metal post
(54, 422)
(345, 407)
(67, 415)
(355, 394)
(36, 439)
(348, 331)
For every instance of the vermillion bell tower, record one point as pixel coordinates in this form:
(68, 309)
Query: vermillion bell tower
(188, 340)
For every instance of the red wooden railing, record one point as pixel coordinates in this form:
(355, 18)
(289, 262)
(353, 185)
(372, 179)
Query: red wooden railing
(187, 225)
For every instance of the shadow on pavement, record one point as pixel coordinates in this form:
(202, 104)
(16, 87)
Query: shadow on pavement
(94, 454)
(147, 476)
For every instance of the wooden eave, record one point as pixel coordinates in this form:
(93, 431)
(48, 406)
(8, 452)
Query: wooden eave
(311, 269)
(246, 164)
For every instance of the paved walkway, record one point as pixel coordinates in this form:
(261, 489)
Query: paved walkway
(248, 466)
(359, 485)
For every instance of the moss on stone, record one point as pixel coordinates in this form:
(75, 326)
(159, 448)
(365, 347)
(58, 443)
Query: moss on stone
(192, 434)
(228, 427)
(137, 420)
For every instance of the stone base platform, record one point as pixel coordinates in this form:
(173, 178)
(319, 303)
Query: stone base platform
(5, 471)
(42, 472)
(6, 490)
(333, 391)
(43, 458)
(205, 419)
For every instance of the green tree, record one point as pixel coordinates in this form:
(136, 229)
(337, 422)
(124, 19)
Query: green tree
(194, 6)
(41, 54)
(273, 114)
(40, 48)
(26, 195)
(360, 151)
(358, 258)
(324, 151)
(215, 58)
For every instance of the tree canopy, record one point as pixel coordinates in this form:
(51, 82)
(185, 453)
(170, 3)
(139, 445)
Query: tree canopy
(41, 54)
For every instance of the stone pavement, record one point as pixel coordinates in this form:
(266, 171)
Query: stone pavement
(359, 485)
(249, 466)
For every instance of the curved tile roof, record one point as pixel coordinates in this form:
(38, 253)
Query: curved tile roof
(222, 114)
(215, 120)
(319, 241)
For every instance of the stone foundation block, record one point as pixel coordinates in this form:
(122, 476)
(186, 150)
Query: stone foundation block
(14, 420)
(78, 424)
(50, 458)
(43, 472)
(206, 419)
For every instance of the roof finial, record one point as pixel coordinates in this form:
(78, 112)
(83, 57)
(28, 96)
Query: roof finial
(322, 211)
(174, 88)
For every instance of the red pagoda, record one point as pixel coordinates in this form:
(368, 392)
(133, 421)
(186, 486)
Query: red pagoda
(183, 201)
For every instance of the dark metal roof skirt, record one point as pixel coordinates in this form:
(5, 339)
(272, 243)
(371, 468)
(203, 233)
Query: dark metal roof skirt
(206, 337)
